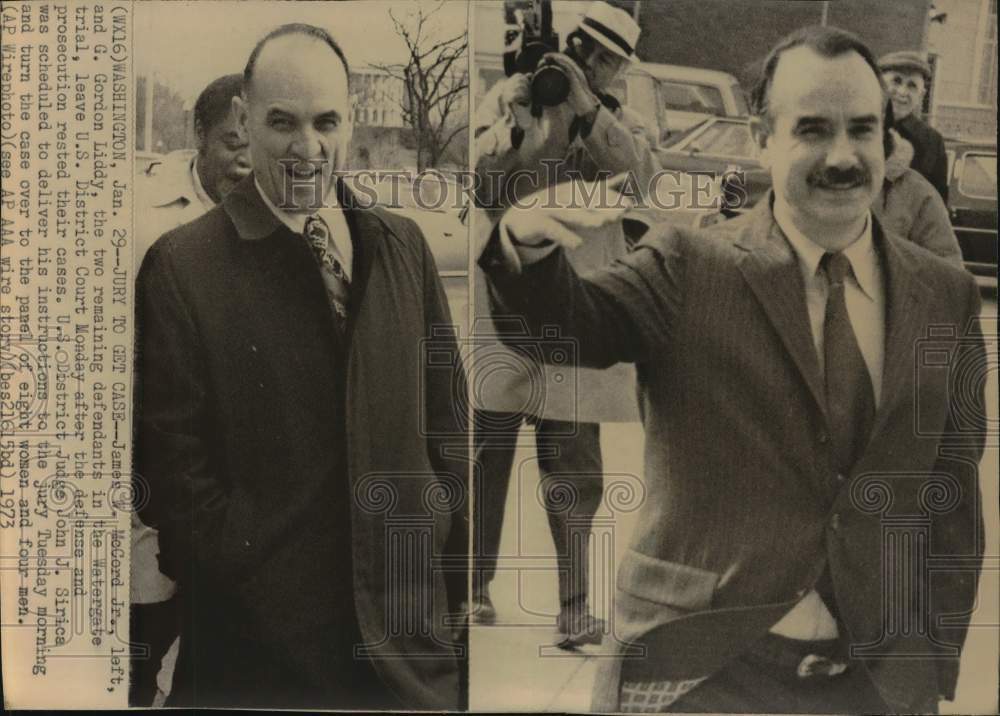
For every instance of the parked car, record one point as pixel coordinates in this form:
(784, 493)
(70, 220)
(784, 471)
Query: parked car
(723, 148)
(678, 97)
(972, 203)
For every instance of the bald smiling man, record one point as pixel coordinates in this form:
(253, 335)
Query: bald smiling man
(287, 418)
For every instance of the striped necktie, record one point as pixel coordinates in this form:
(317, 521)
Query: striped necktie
(337, 284)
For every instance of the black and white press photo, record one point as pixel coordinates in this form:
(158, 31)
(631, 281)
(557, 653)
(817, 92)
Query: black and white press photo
(303, 537)
(718, 245)
(569, 356)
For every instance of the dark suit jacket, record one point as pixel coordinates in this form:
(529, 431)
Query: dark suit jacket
(929, 156)
(304, 482)
(743, 506)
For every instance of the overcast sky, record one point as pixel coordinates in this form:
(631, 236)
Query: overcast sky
(189, 44)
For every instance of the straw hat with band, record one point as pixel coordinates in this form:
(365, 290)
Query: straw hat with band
(613, 27)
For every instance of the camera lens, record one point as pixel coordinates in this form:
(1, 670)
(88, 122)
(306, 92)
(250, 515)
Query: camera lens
(549, 86)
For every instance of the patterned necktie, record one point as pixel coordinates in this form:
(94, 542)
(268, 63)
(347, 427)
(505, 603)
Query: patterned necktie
(850, 398)
(337, 284)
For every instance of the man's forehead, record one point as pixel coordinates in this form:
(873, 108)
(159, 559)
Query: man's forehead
(805, 80)
(297, 63)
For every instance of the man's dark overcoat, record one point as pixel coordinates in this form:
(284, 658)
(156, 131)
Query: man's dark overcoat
(305, 480)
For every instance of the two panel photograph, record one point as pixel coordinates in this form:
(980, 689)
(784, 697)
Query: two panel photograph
(580, 356)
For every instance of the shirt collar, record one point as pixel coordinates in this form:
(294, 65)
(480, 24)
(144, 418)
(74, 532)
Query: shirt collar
(295, 222)
(199, 188)
(176, 179)
(253, 219)
(860, 254)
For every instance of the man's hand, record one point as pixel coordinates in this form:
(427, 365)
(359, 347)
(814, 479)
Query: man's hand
(546, 136)
(581, 99)
(516, 97)
(555, 214)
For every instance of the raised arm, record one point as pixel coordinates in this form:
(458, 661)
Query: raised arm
(623, 313)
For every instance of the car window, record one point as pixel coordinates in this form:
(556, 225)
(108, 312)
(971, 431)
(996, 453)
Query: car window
(679, 139)
(979, 176)
(692, 98)
(730, 139)
(742, 110)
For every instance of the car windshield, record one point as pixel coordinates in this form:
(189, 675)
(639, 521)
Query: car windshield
(741, 102)
(692, 98)
(729, 139)
(717, 137)
(979, 175)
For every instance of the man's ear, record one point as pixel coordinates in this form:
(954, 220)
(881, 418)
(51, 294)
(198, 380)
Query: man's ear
(759, 133)
(241, 115)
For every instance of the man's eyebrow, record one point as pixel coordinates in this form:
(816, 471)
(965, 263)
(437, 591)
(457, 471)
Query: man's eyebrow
(865, 120)
(329, 114)
(277, 112)
(811, 121)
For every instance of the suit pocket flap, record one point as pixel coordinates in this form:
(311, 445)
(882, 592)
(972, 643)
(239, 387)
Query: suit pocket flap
(663, 582)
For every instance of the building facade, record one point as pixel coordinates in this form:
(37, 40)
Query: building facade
(963, 46)
(377, 97)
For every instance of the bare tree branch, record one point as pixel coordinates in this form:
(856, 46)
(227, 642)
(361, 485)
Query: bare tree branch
(434, 92)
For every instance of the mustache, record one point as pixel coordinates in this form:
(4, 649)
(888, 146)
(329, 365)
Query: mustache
(835, 177)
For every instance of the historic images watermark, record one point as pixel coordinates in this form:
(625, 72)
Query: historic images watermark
(306, 184)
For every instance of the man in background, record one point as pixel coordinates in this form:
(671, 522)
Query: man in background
(910, 207)
(172, 192)
(906, 75)
(181, 187)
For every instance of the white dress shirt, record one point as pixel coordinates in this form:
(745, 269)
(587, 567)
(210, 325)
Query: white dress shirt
(864, 293)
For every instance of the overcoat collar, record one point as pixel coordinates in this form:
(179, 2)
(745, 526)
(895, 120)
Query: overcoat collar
(254, 221)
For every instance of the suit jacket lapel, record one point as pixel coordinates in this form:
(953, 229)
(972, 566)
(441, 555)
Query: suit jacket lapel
(905, 315)
(771, 268)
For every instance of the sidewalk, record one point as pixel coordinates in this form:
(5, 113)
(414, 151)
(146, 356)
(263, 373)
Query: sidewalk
(514, 664)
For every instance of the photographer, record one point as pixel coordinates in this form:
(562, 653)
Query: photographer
(529, 137)
(589, 130)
